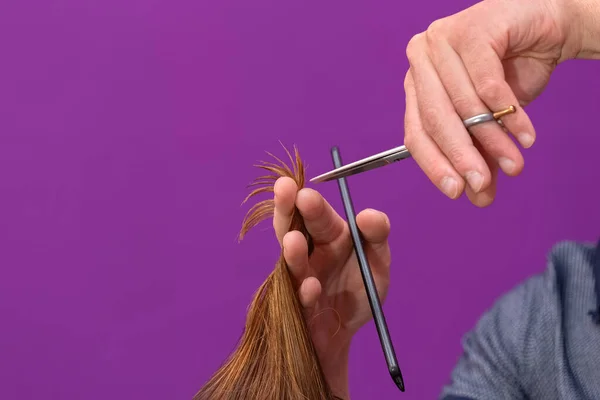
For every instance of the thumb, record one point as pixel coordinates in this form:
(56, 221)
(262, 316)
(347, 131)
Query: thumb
(308, 294)
(375, 228)
(527, 77)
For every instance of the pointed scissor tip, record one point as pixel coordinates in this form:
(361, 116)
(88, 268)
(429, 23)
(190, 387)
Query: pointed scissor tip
(320, 178)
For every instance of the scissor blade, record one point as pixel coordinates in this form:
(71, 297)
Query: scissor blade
(365, 164)
(342, 173)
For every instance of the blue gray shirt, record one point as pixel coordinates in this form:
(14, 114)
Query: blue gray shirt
(541, 340)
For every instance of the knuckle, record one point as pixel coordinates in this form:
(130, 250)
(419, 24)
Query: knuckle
(493, 140)
(435, 170)
(490, 90)
(464, 105)
(432, 123)
(461, 36)
(414, 44)
(489, 140)
(436, 31)
(457, 157)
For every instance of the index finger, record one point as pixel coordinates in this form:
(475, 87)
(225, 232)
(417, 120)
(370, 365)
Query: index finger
(285, 191)
(440, 120)
(425, 151)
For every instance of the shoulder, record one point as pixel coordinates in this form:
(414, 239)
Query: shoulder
(545, 298)
(569, 274)
(571, 264)
(518, 333)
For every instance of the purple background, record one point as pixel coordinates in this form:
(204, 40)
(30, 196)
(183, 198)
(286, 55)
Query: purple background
(128, 131)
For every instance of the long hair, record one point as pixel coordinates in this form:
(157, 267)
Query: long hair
(275, 358)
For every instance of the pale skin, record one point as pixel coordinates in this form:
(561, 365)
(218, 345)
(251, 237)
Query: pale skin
(494, 54)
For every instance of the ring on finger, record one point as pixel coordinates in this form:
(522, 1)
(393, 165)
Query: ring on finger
(486, 117)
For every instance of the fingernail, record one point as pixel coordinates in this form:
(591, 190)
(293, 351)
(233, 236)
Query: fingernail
(526, 140)
(385, 219)
(475, 180)
(450, 187)
(381, 214)
(507, 165)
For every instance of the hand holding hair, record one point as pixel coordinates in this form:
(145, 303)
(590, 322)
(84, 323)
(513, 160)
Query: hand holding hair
(330, 287)
(296, 342)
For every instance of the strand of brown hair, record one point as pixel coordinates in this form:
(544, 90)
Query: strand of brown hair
(275, 358)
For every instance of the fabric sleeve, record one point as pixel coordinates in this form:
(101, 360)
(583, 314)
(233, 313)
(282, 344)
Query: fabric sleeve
(495, 354)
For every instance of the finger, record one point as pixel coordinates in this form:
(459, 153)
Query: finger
(458, 85)
(486, 197)
(375, 228)
(285, 194)
(322, 222)
(440, 121)
(425, 151)
(295, 253)
(308, 294)
(487, 74)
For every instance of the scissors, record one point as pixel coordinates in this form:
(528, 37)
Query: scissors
(400, 152)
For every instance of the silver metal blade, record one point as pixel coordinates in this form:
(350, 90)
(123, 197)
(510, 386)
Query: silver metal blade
(365, 164)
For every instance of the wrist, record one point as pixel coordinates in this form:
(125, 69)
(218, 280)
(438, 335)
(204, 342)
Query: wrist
(583, 29)
(335, 368)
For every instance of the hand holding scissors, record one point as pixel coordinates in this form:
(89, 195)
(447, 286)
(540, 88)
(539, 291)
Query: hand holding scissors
(400, 152)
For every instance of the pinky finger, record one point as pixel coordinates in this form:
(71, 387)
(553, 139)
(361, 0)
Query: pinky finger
(425, 151)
